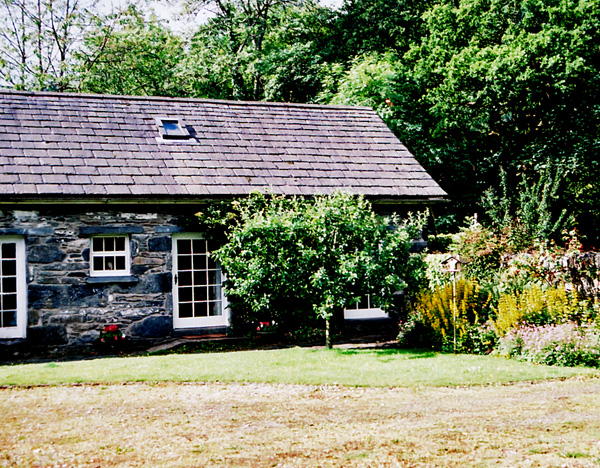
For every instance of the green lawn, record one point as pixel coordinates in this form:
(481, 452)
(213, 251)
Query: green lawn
(356, 367)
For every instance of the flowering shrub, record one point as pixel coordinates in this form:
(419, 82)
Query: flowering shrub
(435, 309)
(111, 334)
(567, 344)
(536, 306)
(267, 327)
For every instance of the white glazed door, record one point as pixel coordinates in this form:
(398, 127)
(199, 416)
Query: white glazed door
(13, 288)
(197, 285)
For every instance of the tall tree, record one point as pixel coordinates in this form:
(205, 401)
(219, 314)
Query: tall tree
(125, 53)
(38, 41)
(235, 37)
(495, 84)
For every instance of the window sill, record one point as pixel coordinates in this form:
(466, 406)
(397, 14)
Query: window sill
(111, 279)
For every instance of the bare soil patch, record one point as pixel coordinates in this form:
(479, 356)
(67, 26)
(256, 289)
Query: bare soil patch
(547, 424)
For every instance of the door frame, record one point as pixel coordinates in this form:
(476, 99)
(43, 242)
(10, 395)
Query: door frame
(195, 322)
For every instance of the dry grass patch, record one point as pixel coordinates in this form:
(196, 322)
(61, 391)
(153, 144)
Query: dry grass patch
(547, 424)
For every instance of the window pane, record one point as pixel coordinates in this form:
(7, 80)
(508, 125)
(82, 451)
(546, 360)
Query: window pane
(186, 310)
(199, 262)
(213, 293)
(120, 263)
(211, 246)
(200, 309)
(184, 246)
(215, 308)
(9, 302)
(185, 294)
(98, 264)
(214, 277)
(109, 244)
(9, 267)
(109, 263)
(97, 244)
(185, 278)
(200, 293)
(9, 285)
(184, 262)
(212, 264)
(120, 244)
(9, 250)
(199, 246)
(171, 127)
(8, 319)
(199, 277)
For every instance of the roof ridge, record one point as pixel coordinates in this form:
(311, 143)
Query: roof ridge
(8, 91)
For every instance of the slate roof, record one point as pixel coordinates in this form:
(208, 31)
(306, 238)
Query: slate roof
(99, 147)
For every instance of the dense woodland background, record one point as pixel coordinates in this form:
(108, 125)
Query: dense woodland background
(498, 99)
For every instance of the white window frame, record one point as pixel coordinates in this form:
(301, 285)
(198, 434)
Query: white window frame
(360, 313)
(20, 330)
(110, 253)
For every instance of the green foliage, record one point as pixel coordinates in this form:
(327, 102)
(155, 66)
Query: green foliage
(478, 339)
(436, 272)
(487, 85)
(527, 217)
(261, 50)
(480, 250)
(294, 260)
(372, 26)
(37, 42)
(369, 81)
(129, 55)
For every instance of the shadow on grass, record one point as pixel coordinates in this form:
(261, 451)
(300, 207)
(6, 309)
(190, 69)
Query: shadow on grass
(391, 353)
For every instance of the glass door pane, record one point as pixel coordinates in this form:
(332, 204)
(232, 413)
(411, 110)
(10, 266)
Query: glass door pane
(198, 285)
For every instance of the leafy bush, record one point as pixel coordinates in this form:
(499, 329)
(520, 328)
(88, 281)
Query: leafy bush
(435, 271)
(435, 309)
(567, 344)
(478, 339)
(298, 260)
(440, 242)
(529, 215)
(480, 250)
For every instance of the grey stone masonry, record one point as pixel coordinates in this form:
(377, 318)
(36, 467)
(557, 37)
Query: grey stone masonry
(69, 308)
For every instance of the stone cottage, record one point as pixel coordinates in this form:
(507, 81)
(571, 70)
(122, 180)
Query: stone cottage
(96, 194)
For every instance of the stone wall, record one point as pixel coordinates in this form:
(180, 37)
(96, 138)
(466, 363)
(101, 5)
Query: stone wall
(66, 307)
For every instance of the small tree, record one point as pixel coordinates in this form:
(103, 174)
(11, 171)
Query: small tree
(326, 251)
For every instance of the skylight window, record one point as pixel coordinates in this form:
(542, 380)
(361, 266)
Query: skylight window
(172, 128)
